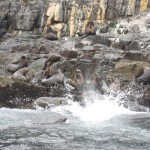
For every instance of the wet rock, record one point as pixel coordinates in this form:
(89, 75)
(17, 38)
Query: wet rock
(133, 106)
(69, 54)
(18, 94)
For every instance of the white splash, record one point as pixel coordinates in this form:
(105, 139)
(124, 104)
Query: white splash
(98, 108)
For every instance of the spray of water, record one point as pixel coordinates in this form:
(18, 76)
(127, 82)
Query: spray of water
(97, 107)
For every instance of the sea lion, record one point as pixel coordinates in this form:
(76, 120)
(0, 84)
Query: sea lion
(78, 79)
(140, 72)
(143, 76)
(14, 67)
(45, 102)
(55, 79)
(90, 28)
(50, 34)
(53, 58)
(37, 77)
(99, 84)
(51, 69)
(47, 69)
(23, 62)
(77, 83)
(21, 74)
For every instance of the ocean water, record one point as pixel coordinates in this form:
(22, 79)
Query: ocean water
(103, 124)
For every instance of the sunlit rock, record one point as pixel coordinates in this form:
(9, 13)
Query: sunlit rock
(126, 69)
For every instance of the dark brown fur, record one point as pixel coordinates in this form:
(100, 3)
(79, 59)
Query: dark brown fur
(52, 59)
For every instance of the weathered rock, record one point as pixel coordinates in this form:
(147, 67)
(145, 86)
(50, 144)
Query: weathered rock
(68, 54)
(25, 24)
(127, 69)
(31, 15)
(136, 56)
(18, 94)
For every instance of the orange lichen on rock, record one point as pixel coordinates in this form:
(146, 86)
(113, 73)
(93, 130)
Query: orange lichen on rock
(143, 5)
(131, 7)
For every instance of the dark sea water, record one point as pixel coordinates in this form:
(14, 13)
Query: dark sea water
(101, 125)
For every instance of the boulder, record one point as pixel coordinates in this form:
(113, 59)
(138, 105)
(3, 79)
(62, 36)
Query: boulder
(126, 69)
(19, 94)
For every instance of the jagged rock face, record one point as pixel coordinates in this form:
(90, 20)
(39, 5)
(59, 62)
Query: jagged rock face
(19, 94)
(65, 17)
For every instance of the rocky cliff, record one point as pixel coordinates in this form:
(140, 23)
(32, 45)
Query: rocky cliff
(65, 17)
(110, 37)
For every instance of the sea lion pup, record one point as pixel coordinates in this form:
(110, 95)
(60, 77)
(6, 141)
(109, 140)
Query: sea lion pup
(14, 67)
(77, 83)
(53, 58)
(143, 76)
(37, 76)
(99, 84)
(21, 74)
(55, 79)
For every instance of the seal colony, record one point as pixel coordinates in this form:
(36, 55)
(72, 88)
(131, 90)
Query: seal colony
(51, 74)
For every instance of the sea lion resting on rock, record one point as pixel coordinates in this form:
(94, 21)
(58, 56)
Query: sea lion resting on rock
(37, 77)
(50, 70)
(53, 58)
(45, 102)
(21, 74)
(14, 67)
(57, 78)
(77, 83)
(143, 76)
